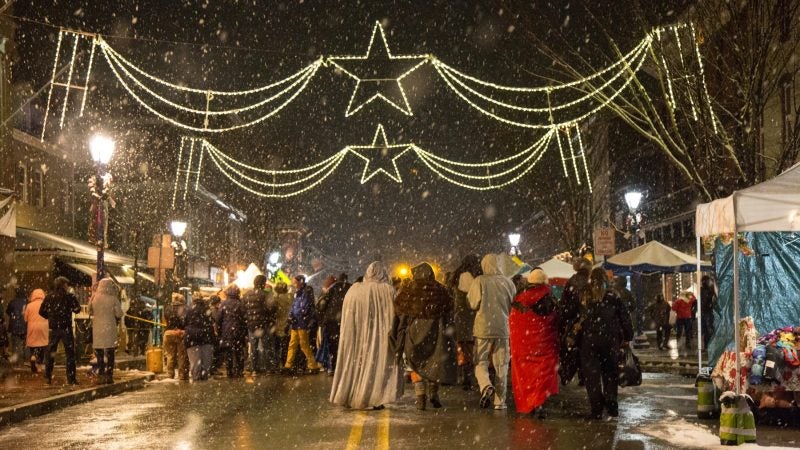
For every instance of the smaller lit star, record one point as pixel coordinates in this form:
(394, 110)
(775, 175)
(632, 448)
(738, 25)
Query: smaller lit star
(379, 152)
(378, 74)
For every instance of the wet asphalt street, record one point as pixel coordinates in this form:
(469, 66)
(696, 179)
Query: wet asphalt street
(283, 412)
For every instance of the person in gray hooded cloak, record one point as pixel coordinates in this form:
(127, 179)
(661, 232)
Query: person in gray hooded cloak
(367, 374)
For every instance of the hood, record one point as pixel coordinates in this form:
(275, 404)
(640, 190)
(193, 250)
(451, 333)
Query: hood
(423, 272)
(37, 295)
(489, 265)
(178, 299)
(107, 287)
(376, 272)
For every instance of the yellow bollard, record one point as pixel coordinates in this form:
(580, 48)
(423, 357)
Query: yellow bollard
(155, 360)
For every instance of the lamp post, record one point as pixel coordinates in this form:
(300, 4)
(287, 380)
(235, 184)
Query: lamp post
(178, 228)
(513, 239)
(101, 147)
(634, 224)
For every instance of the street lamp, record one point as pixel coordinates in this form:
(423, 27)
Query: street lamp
(634, 220)
(178, 228)
(513, 239)
(101, 147)
(634, 223)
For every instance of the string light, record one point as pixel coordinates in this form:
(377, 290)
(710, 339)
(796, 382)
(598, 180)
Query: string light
(385, 147)
(572, 154)
(620, 74)
(88, 75)
(703, 77)
(454, 76)
(69, 81)
(579, 118)
(342, 62)
(630, 56)
(52, 84)
(529, 153)
(683, 67)
(258, 120)
(583, 156)
(522, 173)
(274, 195)
(227, 161)
(178, 172)
(178, 87)
(586, 97)
(300, 77)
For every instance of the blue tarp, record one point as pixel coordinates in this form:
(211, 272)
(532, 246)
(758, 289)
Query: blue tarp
(769, 287)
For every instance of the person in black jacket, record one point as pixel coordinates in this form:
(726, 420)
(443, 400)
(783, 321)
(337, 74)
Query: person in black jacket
(58, 307)
(260, 308)
(329, 309)
(199, 339)
(232, 325)
(603, 326)
(568, 310)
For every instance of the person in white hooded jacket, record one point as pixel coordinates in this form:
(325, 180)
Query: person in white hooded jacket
(491, 295)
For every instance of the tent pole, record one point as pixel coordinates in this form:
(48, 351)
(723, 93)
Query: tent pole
(736, 337)
(699, 310)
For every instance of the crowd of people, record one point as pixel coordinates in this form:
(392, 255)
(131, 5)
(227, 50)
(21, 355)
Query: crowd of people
(472, 328)
(375, 335)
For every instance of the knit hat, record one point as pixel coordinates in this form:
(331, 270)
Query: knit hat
(537, 276)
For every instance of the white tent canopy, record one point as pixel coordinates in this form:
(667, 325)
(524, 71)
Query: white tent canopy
(555, 268)
(654, 257)
(770, 206)
(773, 205)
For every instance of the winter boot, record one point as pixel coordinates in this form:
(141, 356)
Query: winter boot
(419, 390)
(433, 389)
(466, 381)
(487, 396)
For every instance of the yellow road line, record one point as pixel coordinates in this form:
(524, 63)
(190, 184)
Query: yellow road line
(356, 430)
(382, 441)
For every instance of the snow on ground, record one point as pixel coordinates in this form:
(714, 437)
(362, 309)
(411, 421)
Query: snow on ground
(683, 434)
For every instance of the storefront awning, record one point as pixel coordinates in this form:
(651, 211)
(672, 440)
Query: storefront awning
(91, 271)
(34, 241)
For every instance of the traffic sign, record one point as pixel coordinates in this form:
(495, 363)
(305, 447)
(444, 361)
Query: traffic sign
(604, 241)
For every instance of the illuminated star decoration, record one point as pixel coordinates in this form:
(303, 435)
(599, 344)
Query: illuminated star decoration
(379, 151)
(378, 74)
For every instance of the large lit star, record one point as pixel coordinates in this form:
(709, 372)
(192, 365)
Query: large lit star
(378, 74)
(378, 156)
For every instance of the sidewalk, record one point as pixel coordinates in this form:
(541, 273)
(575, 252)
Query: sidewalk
(24, 395)
(674, 361)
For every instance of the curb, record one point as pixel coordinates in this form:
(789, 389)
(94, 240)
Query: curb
(24, 411)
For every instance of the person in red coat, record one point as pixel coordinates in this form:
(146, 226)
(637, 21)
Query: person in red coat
(534, 345)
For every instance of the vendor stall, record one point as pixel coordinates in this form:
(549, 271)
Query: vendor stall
(758, 274)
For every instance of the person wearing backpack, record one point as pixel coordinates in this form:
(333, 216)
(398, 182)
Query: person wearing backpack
(604, 326)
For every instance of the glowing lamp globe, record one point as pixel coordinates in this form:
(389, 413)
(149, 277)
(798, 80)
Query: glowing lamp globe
(101, 147)
(633, 199)
(178, 228)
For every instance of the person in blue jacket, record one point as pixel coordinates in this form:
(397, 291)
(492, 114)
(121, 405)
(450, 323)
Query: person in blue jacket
(301, 320)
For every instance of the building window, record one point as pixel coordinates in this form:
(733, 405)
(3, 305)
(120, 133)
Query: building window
(37, 188)
(22, 182)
